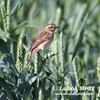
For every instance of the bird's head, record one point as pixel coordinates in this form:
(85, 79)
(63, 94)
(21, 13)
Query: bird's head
(51, 27)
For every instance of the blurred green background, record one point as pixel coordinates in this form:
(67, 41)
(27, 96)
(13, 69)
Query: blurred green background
(33, 16)
(37, 14)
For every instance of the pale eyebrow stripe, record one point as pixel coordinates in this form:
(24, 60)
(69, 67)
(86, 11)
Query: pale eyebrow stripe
(48, 26)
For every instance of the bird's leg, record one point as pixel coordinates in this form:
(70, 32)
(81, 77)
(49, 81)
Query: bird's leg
(46, 50)
(39, 55)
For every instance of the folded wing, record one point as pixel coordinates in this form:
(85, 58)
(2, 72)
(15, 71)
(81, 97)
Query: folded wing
(44, 36)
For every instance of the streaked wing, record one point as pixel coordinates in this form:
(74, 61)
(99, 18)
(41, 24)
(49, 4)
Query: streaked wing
(41, 38)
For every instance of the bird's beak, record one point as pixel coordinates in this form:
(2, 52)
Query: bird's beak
(57, 27)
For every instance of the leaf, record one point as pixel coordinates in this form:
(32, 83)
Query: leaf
(79, 17)
(72, 78)
(37, 89)
(9, 59)
(80, 38)
(3, 47)
(11, 85)
(2, 35)
(90, 73)
(31, 78)
(24, 88)
(28, 37)
(47, 70)
(48, 93)
(2, 74)
(3, 96)
(66, 50)
(18, 26)
(3, 18)
(6, 88)
(94, 84)
(55, 74)
(16, 5)
(14, 54)
(5, 68)
(51, 80)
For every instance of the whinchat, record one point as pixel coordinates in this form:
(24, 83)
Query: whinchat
(43, 40)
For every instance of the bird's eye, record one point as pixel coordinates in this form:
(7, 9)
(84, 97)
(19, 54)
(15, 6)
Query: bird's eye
(51, 26)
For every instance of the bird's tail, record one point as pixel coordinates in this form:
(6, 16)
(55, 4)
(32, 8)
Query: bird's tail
(33, 53)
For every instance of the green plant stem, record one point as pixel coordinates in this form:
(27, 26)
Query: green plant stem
(47, 56)
(8, 17)
(98, 76)
(58, 16)
(3, 11)
(40, 95)
(61, 52)
(56, 56)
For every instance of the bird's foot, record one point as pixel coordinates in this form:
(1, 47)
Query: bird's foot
(50, 51)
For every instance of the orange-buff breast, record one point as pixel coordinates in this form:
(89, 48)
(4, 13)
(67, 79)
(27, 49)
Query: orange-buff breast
(45, 44)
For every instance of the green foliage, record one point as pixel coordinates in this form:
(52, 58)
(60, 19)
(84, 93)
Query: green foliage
(52, 74)
(61, 52)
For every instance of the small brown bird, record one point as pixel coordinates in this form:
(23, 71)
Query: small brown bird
(43, 40)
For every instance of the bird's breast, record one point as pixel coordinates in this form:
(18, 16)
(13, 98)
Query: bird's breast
(45, 44)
